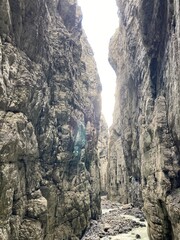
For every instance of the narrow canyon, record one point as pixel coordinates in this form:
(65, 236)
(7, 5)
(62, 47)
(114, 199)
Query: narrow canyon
(57, 155)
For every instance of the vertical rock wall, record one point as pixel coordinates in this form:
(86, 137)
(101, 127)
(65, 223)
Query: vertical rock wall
(103, 154)
(144, 160)
(49, 122)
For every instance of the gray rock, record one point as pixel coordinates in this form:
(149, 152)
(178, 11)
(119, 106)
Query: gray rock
(144, 138)
(103, 153)
(49, 122)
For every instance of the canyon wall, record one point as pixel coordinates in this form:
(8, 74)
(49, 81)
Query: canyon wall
(144, 154)
(49, 122)
(103, 154)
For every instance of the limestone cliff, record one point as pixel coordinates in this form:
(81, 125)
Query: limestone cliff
(144, 160)
(49, 122)
(103, 153)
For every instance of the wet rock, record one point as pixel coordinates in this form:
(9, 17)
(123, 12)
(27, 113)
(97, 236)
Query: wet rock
(138, 236)
(142, 219)
(106, 227)
(113, 222)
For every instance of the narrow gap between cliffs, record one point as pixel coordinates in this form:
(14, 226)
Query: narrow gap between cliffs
(100, 22)
(117, 221)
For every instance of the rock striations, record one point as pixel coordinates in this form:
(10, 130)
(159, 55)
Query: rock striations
(144, 162)
(103, 154)
(49, 122)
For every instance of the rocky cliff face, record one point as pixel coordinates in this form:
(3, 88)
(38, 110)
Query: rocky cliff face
(49, 122)
(145, 136)
(103, 154)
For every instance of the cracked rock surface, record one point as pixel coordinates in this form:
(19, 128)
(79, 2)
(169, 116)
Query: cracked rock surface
(49, 122)
(144, 156)
(103, 153)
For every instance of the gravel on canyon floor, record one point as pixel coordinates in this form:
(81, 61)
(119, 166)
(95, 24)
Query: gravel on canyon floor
(118, 222)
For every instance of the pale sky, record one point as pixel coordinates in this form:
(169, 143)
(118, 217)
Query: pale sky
(100, 22)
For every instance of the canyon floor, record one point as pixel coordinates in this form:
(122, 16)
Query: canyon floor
(118, 222)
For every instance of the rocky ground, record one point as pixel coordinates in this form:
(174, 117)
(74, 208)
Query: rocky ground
(118, 222)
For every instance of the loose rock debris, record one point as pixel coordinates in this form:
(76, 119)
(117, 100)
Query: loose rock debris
(116, 221)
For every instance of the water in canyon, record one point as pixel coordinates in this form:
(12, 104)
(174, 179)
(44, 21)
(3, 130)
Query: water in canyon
(118, 222)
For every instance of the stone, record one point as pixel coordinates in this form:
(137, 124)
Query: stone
(103, 153)
(127, 206)
(114, 224)
(106, 227)
(143, 165)
(50, 109)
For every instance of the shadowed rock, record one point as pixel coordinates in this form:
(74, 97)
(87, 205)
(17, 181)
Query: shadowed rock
(49, 122)
(144, 159)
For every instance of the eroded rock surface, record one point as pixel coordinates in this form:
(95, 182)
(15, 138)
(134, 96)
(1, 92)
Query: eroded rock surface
(49, 122)
(103, 153)
(144, 142)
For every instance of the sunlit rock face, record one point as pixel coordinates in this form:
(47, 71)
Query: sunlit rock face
(144, 157)
(49, 122)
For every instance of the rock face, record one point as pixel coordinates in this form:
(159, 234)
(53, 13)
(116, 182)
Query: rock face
(49, 122)
(103, 154)
(144, 160)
